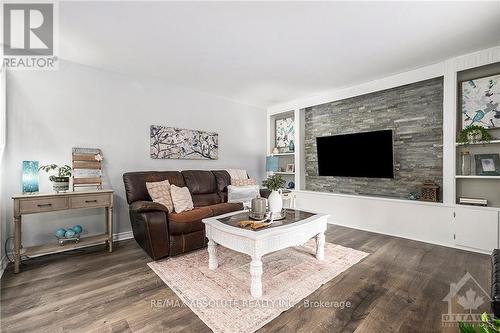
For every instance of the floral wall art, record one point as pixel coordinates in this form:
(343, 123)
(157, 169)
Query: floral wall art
(480, 102)
(284, 132)
(178, 143)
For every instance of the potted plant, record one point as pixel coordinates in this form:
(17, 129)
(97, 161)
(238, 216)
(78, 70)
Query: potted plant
(474, 134)
(60, 183)
(274, 183)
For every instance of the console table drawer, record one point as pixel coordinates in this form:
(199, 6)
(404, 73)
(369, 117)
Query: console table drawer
(38, 205)
(91, 201)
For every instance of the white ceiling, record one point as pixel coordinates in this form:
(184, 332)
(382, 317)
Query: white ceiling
(264, 53)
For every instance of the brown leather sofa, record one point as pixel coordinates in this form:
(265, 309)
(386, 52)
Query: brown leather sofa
(162, 233)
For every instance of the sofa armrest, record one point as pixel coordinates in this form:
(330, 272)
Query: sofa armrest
(150, 229)
(147, 206)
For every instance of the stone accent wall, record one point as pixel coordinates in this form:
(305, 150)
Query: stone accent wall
(414, 112)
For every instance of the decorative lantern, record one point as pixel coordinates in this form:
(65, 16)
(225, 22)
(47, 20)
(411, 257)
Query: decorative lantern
(430, 191)
(30, 177)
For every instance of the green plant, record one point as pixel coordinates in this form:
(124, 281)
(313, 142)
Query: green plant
(274, 182)
(488, 325)
(62, 171)
(474, 134)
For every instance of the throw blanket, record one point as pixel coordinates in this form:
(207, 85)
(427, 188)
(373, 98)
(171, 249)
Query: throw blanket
(237, 173)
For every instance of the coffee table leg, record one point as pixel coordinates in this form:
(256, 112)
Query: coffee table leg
(212, 254)
(320, 246)
(256, 273)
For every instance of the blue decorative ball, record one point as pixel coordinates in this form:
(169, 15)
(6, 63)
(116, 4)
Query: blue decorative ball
(77, 228)
(70, 233)
(60, 233)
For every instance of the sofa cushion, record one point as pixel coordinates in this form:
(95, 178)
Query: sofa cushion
(200, 181)
(202, 200)
(224, 208)
(135, 183)
(188, 221)
(223, 179)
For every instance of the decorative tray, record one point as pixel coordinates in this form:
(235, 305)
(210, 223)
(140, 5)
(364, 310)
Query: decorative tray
(276, 217)
(63, 240)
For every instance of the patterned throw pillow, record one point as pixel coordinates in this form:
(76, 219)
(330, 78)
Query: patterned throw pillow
(243, 182)
(181, 198)
(160, 193)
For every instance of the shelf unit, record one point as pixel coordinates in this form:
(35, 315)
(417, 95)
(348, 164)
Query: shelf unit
(478, 143)
(476, 186)
(477, 177)
(284, 158)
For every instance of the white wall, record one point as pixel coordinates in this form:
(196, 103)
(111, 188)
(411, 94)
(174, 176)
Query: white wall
(50, 112)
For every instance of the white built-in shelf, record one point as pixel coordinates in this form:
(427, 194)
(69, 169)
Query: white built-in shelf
(284, 154)
(288, 173)
(479, 143)
(477, 177)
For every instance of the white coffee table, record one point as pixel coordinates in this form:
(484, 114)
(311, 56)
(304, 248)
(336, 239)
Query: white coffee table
(294, 231)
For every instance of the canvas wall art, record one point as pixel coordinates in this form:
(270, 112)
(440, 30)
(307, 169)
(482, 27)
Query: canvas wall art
(480, 102)
(178, 143)
(285, 132)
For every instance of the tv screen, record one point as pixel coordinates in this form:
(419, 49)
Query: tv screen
(367, 154)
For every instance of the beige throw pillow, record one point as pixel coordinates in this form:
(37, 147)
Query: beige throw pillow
(181, 198)
(243, 182)
(160, 193)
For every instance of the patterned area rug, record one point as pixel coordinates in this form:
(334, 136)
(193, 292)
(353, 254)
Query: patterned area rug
(221, 298)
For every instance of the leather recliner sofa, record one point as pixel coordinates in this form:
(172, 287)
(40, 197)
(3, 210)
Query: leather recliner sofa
(162, 233)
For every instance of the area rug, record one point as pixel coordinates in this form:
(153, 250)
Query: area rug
(221, 298)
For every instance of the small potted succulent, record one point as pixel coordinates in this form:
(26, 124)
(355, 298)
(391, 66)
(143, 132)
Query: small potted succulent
(474, 134)
(60, 183)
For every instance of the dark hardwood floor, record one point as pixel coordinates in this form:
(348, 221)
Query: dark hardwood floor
(399, 287)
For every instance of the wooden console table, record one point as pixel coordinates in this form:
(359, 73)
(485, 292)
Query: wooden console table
(40, 203)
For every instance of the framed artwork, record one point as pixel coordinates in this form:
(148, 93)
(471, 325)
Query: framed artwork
(487, 164)
(290, 168)
(480, 102)
(285, 132)
(177, 143)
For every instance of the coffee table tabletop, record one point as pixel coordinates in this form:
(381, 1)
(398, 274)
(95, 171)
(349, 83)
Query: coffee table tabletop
(296, 229)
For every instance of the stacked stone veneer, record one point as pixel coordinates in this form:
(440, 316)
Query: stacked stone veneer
(414, 112)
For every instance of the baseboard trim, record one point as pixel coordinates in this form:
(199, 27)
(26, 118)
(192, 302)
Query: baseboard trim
(123, 236)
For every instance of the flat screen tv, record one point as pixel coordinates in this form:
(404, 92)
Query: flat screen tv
(367, 154)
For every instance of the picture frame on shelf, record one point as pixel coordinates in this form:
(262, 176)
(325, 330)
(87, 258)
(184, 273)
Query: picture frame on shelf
(480, 99)
(487, 164)
(290, 168)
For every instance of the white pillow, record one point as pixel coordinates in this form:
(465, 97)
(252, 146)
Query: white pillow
(160, 192)
(243, 194)
(181, 198)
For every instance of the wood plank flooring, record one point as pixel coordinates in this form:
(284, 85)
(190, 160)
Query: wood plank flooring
(399, 287)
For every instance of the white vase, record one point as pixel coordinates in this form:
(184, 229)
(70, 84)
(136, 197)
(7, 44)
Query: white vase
(275, 201)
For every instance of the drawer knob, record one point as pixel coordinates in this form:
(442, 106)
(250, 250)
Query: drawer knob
(90, 201)
(44, 205)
